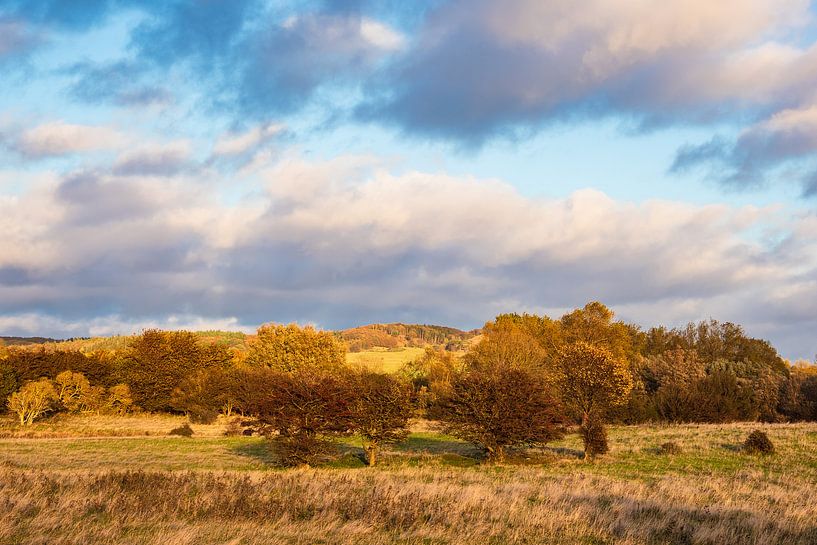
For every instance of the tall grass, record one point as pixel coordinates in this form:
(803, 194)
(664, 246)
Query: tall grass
(142, 491)
(419, 505)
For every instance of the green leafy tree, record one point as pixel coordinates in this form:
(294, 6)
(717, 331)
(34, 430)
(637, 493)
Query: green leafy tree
(291, 347)
(592, 382)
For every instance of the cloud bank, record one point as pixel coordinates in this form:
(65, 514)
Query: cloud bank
(345, 241)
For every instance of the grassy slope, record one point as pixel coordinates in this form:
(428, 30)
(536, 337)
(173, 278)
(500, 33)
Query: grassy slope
(429, 490)
(383, 360)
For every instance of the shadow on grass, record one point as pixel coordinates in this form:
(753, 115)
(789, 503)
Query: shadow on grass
(436, 444)
(731, 447)
(258, 451)
(347, 456)
(564, 451)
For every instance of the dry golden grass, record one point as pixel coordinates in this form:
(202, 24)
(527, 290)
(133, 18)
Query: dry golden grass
(67, 425)
(384, 360)
(139, 491)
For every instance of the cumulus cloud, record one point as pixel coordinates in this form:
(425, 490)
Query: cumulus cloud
(288, 62)
(59, 138)
(481, 68)
(345, 241)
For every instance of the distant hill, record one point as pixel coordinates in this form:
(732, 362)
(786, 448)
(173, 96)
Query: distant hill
(405, 335)
(22, 341)
(367, 337)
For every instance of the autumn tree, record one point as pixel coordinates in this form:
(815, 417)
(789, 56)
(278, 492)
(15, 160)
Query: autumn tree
(291, 347)
(33, 400)
(119, 399)
(41, 362)
(76, 394)
(595, 324)
(8, 383)
(430, 376)
(798, 400)
(380, 410)
(156, 362)
(206, 393)
(298, 411)
(498, 408)
(513, 340)
(592, 382)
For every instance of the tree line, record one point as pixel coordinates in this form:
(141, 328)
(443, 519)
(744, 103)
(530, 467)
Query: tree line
(527, 380)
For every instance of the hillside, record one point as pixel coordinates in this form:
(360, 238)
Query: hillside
(358, 339)
(23, 341)
(400, 335)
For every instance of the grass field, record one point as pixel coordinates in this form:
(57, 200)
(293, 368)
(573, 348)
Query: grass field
(384, 360)
(99, 481)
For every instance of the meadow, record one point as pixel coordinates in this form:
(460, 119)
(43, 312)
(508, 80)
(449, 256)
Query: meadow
(124, 480)
(384, 360)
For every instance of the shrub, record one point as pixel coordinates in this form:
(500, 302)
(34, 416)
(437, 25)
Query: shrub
(300, 449)
(33, 400)
(758, 443)
(182, 431)
(202, 415)
(670, 448)
(500, 408)
(594, 435)
(233, 428)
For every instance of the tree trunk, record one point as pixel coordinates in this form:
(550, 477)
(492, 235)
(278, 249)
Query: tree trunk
(585, 426)
(496, 453)
(370, 452)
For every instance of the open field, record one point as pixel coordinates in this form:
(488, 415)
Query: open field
(384, 360)
(431, 489)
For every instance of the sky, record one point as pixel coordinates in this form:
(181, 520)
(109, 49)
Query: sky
(210, 164)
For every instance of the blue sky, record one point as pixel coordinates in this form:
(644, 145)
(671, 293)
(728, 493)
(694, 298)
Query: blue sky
(223, 164)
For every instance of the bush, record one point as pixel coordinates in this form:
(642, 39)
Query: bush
(670, 448)
(182, 431)
(594, 435)
(758, 443)
(233, 428)
(202, 415)
(300, 449)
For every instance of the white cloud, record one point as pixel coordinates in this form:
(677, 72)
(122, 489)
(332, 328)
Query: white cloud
(239, 143)
(60, 138)
(381, 35)
(345, 241)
